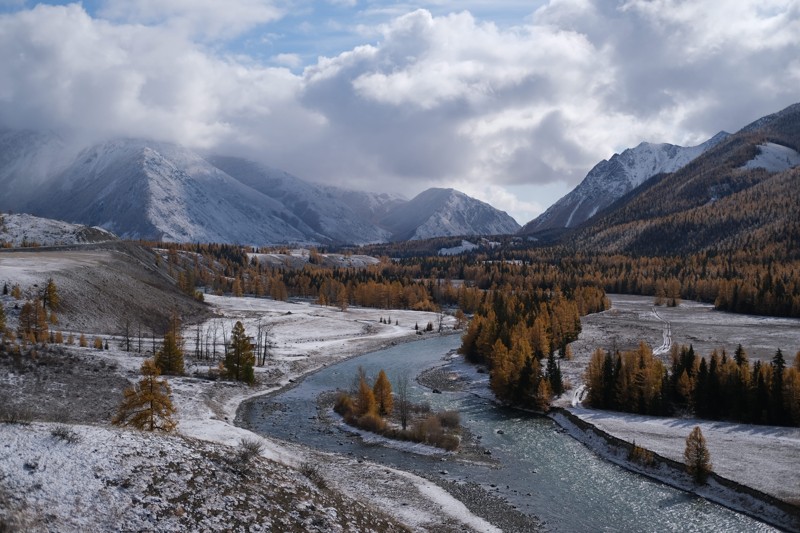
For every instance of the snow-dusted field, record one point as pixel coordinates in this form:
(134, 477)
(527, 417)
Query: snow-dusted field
(51, 484)
(766, 458)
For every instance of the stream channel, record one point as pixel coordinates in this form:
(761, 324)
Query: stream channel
(538, 468)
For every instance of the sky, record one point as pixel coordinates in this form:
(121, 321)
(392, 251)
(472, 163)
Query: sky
(512, 102)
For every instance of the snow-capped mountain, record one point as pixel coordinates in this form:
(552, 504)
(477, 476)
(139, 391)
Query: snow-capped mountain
(446, 212)
(23, 230)
(152, 190)
(611, 179)
(141, 189)
(317, 206)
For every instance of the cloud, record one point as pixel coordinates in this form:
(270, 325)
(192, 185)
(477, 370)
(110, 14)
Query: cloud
(426, 100)
(207, 19)
(63, 70)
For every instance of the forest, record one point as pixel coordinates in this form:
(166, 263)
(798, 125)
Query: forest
(716, 387)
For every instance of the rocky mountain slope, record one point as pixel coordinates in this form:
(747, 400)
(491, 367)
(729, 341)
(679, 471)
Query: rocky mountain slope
(27, 230)
(741, 194)
(439, 212)
(611, 179)
(150, 190)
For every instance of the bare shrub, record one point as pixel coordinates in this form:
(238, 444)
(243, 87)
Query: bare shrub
(428, 430)
(66, 434)
(449, 419)
(344, 405)
(10, 414)
(448, 442)
(637, 454)
(371, 422)
(248, 449)
(311, 471)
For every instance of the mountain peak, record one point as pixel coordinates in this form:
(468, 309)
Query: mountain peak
(611, 179)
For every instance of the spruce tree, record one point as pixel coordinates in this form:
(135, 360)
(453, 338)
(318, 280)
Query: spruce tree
(697, 456)
(147, 405)
(554, 375)
(776, 394)
(239, 360)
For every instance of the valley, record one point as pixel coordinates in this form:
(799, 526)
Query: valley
(306, 338)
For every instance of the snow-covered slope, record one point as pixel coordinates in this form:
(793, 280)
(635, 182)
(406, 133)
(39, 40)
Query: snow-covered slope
(317, 206)
(368, 205)
(446, 212)
(141, 189)
(152, 190)
(774, 158)
(611, 179)
(23, 229)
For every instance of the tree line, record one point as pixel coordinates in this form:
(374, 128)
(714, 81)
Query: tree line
(717, 387)
(514, 332)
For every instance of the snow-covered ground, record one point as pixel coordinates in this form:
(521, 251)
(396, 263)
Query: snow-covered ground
(44, 477)
(765, 458)
(22, 228)
(774, 158)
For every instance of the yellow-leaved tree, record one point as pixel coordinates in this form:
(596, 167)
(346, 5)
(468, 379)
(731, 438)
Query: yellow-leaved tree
(147, 405)
(698, 458)
(169, 358)
(382, 390)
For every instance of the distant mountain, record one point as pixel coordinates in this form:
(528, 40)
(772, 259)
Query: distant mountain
(24, 230)
(741, 194)
(446, 212)
(151, 190)
(320, 208)
(610, 180)
(142, 189)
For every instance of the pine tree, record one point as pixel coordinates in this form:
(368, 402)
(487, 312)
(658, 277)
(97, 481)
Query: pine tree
(777, 410)
(554, 375)
(697, 456)
(239, 360)
(169, 358)
(382, 390)
(147, 405)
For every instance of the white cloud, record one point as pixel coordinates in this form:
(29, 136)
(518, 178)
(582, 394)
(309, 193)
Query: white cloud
(431, 100)
(202, 18)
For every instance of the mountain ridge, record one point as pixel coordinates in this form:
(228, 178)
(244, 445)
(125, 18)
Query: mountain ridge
(611, 179)
(142, 189)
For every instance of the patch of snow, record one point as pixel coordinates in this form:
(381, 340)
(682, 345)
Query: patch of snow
(774, 158)
(465, 246)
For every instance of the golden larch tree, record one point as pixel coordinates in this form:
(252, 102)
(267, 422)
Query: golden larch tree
(169, 358)
(365, 399)
(382, 390)
(698, 458)
(147, 405)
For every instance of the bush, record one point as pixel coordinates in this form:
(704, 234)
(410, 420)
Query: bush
(637, 454)
(449, 419)
(248, 449)
(371, 422)
(448, 442)
(66, 434)
(311, 471)
(344, 405)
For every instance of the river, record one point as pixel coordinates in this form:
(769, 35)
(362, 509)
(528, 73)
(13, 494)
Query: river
(539, 469)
